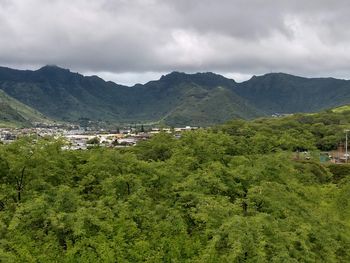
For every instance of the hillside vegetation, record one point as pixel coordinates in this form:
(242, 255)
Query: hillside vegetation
(201, 99)
(232, 193)
(15, 114)
(284, 93)
(63, 95)
(341, 109)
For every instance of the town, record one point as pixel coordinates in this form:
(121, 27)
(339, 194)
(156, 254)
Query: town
(79, 138)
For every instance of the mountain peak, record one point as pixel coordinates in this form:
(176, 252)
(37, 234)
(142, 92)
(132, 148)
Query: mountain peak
(173, 75)
(280, 75)
(52, 68)
(54, 73)
(208, 79)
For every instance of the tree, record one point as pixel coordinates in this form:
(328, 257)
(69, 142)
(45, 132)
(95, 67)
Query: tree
(93, 141)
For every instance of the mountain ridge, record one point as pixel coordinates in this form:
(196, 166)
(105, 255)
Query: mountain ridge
(177, 98)
(286, 93)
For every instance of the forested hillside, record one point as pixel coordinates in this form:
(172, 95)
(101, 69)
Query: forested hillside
(285, 93)
(61, 94)
(176, 99)
(233, 193)
(16, 114)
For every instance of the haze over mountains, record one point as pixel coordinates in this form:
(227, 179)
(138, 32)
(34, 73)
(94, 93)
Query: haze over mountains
(200, 99)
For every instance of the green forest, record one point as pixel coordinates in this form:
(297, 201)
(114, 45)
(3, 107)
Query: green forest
(230, 193)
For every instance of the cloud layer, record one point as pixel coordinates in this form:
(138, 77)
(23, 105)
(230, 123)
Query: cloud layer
(135, 37)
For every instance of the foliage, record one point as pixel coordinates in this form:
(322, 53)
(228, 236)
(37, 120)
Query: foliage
(228, 194)
(94, 141)
(299, 132)
(339, 171)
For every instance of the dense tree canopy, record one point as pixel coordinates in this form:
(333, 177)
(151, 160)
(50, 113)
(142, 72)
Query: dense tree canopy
(232, 193)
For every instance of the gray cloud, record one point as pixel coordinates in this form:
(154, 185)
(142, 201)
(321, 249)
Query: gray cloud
(135, 37)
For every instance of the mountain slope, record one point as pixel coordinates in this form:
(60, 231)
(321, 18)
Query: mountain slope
(283, 93)
(200, 99)
(15, 113)
(205, 108)
(193, 99)
(63, 95)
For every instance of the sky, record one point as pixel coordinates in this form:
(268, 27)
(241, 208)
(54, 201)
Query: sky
(134, 41)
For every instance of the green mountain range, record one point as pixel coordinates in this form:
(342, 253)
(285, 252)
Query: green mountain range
(200, 99)
(284, 93)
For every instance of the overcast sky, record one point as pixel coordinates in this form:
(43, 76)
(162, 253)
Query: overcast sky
(131, 41)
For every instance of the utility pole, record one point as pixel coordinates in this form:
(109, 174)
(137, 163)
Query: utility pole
(346, 145)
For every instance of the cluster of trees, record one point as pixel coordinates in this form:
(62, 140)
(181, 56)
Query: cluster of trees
(229, 194)
(319, 131)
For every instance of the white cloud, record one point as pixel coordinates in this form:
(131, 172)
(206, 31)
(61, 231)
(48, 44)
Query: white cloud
(131, 38)
(127, 78)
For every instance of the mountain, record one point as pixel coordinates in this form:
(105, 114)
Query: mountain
(200, 99)
(284, 93)
(176, 99)
(15, 113)
(191, 99)
(61, 94)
